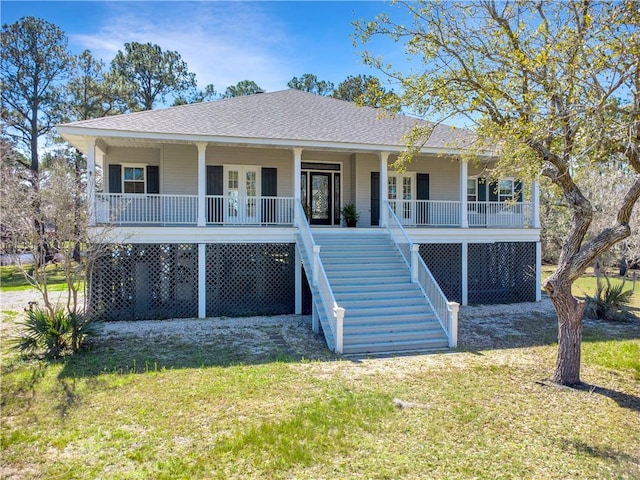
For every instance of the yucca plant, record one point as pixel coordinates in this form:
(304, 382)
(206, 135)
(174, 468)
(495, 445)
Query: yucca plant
(82, 327)
(41, 330)
(54, 333)
(610, 301)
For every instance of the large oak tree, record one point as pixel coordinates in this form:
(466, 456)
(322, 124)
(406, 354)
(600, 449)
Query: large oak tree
(554, 88)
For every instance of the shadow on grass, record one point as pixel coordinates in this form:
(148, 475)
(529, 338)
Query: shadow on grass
(597, 452)
(624, 400)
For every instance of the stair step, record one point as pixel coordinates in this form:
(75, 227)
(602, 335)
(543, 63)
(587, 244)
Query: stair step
(360, 302)
(395, 347)
(426, 328)
(391, 311)
(375, 290)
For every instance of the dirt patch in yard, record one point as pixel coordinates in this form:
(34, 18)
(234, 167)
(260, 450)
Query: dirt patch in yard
(290, 337)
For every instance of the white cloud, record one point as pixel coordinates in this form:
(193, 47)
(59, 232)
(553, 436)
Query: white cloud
(222, 43)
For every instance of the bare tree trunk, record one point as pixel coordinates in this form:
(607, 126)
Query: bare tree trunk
(569, 311)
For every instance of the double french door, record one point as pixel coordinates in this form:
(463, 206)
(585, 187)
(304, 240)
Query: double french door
(242, 192)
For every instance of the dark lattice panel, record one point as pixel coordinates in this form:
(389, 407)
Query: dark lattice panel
(250, 279)
(145, 281)
(445, 262)
(502, 272)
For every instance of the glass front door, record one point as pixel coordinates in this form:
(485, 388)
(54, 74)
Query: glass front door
(241, 194)
(320, 192)
(321, 203)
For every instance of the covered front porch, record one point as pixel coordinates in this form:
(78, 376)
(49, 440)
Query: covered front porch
(212, 185)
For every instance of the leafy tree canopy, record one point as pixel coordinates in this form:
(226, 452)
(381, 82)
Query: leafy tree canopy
(209, 93)
(365, 90)
(310, 83)
(554, 88)
(244, 87)
(92, 92)
(34, 62)
(148, 74)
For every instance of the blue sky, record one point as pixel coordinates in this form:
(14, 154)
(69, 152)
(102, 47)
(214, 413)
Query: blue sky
(222, 42)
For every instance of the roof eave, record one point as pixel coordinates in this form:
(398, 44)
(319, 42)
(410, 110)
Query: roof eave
(74, 134)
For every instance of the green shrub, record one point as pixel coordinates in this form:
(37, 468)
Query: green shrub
(610, 301)
(55, 334)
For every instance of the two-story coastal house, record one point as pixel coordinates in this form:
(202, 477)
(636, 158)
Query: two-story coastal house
(232, 207)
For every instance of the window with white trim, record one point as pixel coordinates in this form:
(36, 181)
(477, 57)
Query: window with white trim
(472, 189)
(133, 179)
(505, 190)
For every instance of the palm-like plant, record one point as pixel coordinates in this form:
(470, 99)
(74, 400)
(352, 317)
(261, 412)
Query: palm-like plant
(53, 333)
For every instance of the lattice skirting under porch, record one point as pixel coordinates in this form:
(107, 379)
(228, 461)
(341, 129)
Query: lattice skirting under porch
(502, 272)
(157, 281)
(250, 279)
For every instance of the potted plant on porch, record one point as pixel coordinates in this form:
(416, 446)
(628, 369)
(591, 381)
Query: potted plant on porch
(350, 214)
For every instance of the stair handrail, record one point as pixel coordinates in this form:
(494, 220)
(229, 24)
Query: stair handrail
(446, 311)
(319, 278)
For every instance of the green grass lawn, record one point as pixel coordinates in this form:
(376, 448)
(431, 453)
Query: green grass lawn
(586, 285)
(132, 409)
(11, 278)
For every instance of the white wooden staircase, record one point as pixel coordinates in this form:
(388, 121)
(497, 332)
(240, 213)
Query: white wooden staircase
(384, 310)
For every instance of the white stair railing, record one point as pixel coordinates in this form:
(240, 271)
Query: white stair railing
(319, 279)
(447, 312)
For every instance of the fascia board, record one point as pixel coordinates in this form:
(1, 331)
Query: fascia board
(67, 132)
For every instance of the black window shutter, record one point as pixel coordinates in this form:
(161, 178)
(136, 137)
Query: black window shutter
(517, 190)
(215, 180)
(269, 189)
(375, 198)
(482, 189)
(115, 178)
(153, 179)
(493, 192)
(422, 192)
(215, 186)
(269, 182)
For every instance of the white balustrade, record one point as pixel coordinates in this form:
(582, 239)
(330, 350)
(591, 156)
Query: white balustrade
(447, 312)
(119, 208)
(133, 208)
(446, 213)
(318, 275)
(500, 214)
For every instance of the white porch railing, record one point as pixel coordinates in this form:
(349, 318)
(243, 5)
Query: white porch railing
(133, 208)
(433, 213)
(447, 312)
(140, 209)
(500, 214)
(231, 210)
(318, 277)
(446, 213)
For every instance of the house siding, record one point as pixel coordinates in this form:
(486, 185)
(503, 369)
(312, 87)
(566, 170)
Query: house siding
(179, 175)
(120, 155)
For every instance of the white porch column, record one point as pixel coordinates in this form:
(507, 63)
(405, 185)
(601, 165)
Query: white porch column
(297, 171)
(535, 200)
(91, 181)
(202, 184)
(464, 173)
(465, 273)
(298, 281)
(384, 190)
(538, 271)
(202, 280)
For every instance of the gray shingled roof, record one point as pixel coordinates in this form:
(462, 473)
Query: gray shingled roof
(282, 115)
